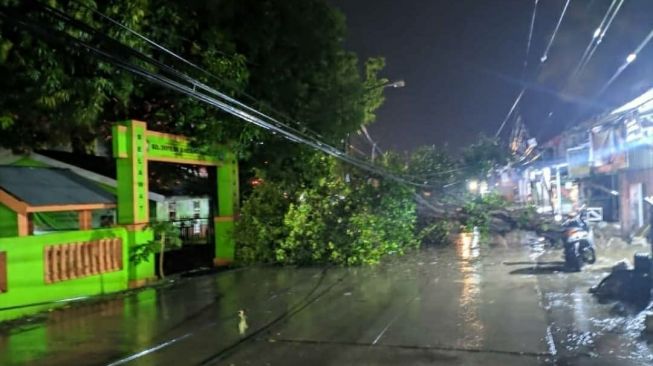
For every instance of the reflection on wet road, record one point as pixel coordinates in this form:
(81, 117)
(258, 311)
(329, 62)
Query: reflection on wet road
(468, 303)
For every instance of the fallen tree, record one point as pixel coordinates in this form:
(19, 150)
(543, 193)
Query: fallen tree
(490, 215)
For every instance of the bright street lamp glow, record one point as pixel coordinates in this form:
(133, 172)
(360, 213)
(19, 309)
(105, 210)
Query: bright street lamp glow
(483, 188)
(397, 84)
(472, 185)
(631, 57)
(597, 33)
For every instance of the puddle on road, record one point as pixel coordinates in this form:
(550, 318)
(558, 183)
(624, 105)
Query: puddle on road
(583, 327)
(468, 251)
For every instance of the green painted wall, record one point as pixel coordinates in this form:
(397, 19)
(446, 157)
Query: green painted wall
(145, 269)
(131, 173)
(132, 146)
(25, 272)
(227, 206)
(8, 222)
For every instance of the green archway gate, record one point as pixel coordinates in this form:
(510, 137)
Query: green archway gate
(133, 147)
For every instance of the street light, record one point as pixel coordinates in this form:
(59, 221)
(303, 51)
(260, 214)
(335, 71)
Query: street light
(388, 84)
(396, 84)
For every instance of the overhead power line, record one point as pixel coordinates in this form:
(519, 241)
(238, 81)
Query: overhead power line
(510, 111)
(159, 46)
(632, 57)
(545, 56)
(602, 34)
(595, 37)
(189, 86)
(303, 128)
(542, 60)
(530, 38)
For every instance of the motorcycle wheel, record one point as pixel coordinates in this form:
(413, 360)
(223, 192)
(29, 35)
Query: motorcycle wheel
(588, 255)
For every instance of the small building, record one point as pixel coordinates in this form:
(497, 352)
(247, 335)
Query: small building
(189, 213)
(68, 232)
(609, 158)
(69, 203)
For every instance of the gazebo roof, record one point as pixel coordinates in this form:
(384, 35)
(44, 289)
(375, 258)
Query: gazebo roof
(36, 189)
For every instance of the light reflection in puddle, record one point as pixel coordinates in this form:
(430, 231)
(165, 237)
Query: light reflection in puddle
(467, 250)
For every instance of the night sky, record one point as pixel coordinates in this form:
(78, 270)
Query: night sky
(462, 61)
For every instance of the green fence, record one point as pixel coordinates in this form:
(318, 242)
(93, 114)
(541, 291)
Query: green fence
(77, 259)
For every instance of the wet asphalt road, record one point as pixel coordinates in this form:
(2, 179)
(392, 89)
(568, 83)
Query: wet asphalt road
(466, 304)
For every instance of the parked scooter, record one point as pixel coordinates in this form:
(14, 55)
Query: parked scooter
(578, 241)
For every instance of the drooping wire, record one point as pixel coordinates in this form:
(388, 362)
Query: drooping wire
(148, 59)
(595, 37)
(545, 56)
(543, 59)
(626, 63)
(201, 96)
(523, 75)
(601, 36)
(512, 109)
(166, 50)
(530, 37)
(172, 71)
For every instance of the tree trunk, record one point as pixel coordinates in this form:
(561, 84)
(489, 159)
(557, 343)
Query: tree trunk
(163, 243)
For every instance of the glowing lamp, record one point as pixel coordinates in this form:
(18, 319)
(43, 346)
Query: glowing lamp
(472, 185)
(632, 57)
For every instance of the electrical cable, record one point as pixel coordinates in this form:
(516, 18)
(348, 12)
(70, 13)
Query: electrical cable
(166, 50)
(176, 56)
(626, 63)
(600, 39)
(545, 56)
(512, 109)
(595, 37)
(171, 84)
(530, 37)
(161, 65)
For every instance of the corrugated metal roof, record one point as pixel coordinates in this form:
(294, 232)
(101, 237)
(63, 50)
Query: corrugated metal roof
(51, 186)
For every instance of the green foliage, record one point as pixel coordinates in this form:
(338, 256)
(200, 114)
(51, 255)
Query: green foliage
(477, 212)
(288, 56)
(433, 166)
(482, 156)
(166, 237)
(527, 216)
(261, 226)
(492, 201)
(436, 233)
(338, 220)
